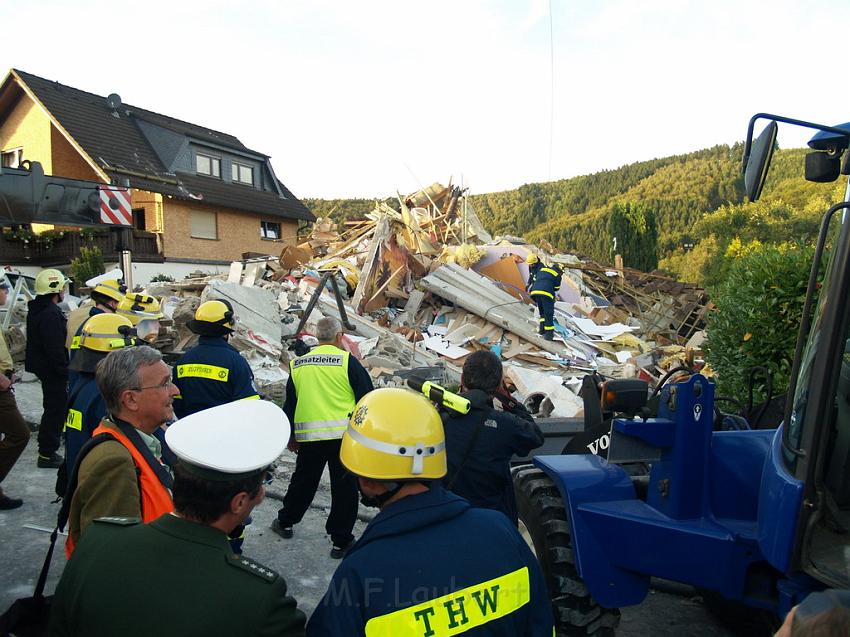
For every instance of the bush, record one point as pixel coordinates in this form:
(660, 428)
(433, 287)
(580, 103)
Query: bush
(88, 265)
(162, 278)
(757, 317)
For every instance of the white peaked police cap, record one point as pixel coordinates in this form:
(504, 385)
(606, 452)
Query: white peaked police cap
(231, 440)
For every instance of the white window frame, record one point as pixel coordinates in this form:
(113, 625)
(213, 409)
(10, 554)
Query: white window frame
(199, 225)
(215, 165)
(16, 156)
(264, 234)
(237, 170)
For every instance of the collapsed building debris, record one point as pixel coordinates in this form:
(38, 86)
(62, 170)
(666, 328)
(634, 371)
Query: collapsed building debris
(424, 286)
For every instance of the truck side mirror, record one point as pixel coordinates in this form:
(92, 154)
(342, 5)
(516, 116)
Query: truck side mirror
(755, 172)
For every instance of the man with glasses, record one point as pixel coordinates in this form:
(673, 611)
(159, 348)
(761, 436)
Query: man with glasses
(122, 474)
(111, 585)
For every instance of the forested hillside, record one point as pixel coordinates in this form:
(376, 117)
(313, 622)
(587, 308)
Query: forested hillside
(691, 207)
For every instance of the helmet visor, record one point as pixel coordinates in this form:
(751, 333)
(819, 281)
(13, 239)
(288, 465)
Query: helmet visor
(148, 330)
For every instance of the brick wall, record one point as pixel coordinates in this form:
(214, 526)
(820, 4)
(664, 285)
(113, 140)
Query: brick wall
(28, 126)
(238, 232)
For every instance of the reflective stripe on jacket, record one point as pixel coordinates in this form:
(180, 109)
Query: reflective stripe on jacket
(547, 281)
(325, 398)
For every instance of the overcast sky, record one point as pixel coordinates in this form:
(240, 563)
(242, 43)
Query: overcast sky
(360, 98)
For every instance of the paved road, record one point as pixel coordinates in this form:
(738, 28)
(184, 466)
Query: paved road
(304, 561)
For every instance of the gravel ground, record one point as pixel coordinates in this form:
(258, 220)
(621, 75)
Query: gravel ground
(304, 560)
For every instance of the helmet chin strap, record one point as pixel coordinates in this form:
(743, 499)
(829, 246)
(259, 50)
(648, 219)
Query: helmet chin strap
(378, 501)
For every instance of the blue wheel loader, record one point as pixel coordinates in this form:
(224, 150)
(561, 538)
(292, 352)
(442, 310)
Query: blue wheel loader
(760, 516)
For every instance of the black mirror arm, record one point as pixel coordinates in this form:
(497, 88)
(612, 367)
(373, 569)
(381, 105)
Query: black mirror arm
(785, 120)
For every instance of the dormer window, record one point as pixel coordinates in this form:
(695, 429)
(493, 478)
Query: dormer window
(208, 165)
(242, 174)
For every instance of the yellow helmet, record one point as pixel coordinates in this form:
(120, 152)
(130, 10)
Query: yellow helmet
(531, 258)
(212, 318)
(50, 281)
(101, 334)
(394, 434)
(106, 332)
(139, 307)
(112, 289)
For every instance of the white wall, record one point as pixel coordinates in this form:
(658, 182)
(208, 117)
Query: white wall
(142, 272)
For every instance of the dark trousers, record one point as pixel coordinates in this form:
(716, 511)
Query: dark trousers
(546, 309)
(312, 457)
(54, 391)
(15, 432)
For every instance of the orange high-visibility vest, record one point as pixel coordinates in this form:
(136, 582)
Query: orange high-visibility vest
(155, 498)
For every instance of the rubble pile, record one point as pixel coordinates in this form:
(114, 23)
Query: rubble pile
(425, 285)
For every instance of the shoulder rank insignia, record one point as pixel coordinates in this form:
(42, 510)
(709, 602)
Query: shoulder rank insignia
(119, 521)
(247, 564)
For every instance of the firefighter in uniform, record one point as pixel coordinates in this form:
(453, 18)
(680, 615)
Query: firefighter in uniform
(106, 296)
(428, 563)
(144, 313)
(213, 372)
(112, 584)
(101, 334)
(323, 387)
(544, 282)
(533, 263)
(47, 358)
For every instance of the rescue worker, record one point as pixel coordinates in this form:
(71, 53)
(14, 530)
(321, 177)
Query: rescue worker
(213, 372)
(144, 313)
(323, 387)
(105, 297)
(545, 284)
(15, 432)
(112, 584)
(481, 443)
(101, 334)
(47, 358)
(429, 563)
(125, 477)
(533, 263)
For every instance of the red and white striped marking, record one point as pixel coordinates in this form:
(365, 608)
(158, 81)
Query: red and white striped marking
(116, 205)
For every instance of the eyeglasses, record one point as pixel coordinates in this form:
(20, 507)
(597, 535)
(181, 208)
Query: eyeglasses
(164, 385)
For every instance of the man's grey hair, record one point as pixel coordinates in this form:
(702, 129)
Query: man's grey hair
(119, 371)
(327, 328)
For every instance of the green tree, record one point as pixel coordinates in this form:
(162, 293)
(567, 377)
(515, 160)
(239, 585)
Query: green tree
(757, 317)
(632, 228)
(88, 265)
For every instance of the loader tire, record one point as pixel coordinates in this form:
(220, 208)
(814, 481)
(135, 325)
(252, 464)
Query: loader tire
(544, 524)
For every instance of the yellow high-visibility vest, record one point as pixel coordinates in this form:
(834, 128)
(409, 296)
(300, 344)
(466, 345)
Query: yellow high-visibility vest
(325, 396)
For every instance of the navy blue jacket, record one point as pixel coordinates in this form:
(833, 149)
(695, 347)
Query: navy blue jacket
(547, 280)
(90, 408)
(72, 375)
(46, 329)
(210, 374)
(532, 274)
(485, 478)
(429, 563)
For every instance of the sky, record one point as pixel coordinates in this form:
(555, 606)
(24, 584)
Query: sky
(368, 97)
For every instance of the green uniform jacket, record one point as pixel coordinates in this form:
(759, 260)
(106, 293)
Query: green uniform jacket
(169, 578)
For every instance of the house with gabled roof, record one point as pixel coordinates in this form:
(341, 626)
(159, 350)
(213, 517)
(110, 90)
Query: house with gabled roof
(205, 197)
